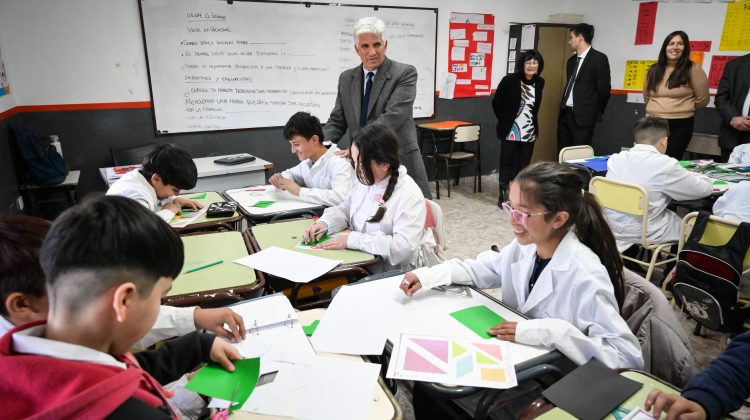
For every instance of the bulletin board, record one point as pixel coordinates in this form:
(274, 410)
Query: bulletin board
(470, 46)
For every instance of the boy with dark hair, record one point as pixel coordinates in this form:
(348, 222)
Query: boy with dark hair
(647, 165)
(165, 171)
(322, 177)
(108, 262)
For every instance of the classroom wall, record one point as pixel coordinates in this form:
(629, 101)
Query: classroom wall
(91, 52)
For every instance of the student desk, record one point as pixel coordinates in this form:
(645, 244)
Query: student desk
(203, 223)
(437, 131)
(287, 234)
(213, 177)
(220, 283)
(285, 205)
(35, 195)
(636, 400)
(384, 404)
(428, 313)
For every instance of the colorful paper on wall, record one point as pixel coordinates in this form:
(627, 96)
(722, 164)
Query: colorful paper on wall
(644, 32)
(471, 37)
(700, 46)
(635, 73)
(718, 62)
(4, 87)
(454, 361)
(736, 33)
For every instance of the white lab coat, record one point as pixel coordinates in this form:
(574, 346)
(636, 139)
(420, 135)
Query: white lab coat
(398, 236)
(328, 181)
(735, 203)
(664, 180)
(134, 185)
(740, 154)
(572, 306)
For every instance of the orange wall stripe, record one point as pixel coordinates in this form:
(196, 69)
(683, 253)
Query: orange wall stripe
(74, 107)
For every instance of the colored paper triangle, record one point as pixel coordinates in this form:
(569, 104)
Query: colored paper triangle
(417, 363)
(464, 366)
(481, 358)
(494, 375)
(492, 350)
(458, 350)
(438, 348)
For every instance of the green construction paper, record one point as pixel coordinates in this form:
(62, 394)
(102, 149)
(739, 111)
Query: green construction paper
(319, 241)
(719, 182)
(310, 329)
(263, 204)
(213, 381)
(685, 163)
(478, 319)
(198, 196)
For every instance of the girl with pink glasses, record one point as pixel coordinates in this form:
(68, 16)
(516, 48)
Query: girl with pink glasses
(562, 270)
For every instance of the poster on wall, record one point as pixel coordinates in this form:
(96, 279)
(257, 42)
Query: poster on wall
(644, 32)
(470, 44)
(4, 86)
(735, 36)
(718, 62)
(635, 73)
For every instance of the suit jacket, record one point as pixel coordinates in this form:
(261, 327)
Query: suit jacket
(394, 89)
(730, 96)
(591, 88)
(506, 101)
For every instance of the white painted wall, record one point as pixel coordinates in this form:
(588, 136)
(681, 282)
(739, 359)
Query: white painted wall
(89, 51)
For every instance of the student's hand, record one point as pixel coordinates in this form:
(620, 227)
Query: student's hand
(312, 234)
(223, 353)
(184, 202)
(410, 284)
(289, 185)
(504, 331)
(344, 153)
(213, 320)
(337, 242)
(174, 208)
(676, 406)
(275, 179)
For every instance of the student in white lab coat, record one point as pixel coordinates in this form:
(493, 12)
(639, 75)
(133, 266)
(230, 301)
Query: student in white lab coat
(740, 154)
(562, 270)
(663, 178)
(386, 210)
(165, 171)
(735, 203)
(321, 177)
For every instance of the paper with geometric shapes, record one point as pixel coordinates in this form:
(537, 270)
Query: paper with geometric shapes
(482, 363)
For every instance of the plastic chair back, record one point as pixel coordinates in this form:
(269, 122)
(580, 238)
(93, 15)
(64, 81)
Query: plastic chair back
(620, 196)
(466, 133)
(131, 155)
(575, 152)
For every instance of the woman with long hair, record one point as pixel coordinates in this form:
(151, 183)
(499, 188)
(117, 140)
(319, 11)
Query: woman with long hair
(674, 89)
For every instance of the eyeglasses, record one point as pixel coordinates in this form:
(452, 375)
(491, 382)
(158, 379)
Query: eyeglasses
(518, 216)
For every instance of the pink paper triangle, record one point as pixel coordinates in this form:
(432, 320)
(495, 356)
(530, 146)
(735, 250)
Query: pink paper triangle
(438, 348)
(492, 350)
(417, 363)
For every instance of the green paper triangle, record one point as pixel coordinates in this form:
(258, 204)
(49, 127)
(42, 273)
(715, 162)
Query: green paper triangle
(457, 350)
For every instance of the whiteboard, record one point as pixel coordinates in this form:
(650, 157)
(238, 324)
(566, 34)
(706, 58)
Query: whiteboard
(219, 66)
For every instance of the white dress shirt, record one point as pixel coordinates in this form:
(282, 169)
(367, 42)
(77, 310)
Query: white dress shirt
(398, 235)
(572, 305)
(735, 203)
(135, 186)
(327, 181)
(740, 154)
(664, 180)
(569, 102)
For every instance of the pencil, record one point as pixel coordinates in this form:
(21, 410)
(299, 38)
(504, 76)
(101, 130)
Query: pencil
(211, 264)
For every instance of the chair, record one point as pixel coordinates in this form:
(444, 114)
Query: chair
(435, 222)
(575, 152)
(632, 199)
(709, 289)
(131, 155)
(459, 156)
(704, 144)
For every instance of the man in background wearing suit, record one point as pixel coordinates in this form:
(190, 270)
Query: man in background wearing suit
(733, 103)
(586, 92)
(380, 91)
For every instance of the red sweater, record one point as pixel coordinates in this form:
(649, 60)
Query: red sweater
(45, 387)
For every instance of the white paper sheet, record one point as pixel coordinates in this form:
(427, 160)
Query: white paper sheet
(479, 73)
(180, 222)
(284, 382)
(461, 43)
(528, 37)
(459, 68)
(458, 54)
(458, 34)
(639, 414)
(484, 47)
(287, 264)
(511, 66)
(511, 56)
(512, 43)
(479, 36)
(448, 85)
(476, 59)
(463, 81)
(360, 317)
(334, 389)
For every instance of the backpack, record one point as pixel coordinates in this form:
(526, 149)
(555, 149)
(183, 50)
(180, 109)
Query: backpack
(707, 277)
(38, 162)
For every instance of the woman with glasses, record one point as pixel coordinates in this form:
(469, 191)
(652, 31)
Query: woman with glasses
(562, 270)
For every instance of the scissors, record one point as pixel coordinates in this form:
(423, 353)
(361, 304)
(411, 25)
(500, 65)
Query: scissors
(224, 414)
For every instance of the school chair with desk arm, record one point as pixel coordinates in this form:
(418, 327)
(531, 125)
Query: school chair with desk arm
(204, 223)
(459, 156)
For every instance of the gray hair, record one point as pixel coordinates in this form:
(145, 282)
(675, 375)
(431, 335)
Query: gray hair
(369, 25)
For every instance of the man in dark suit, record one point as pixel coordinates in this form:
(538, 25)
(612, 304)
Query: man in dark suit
(380, 91)
(732, 101)
(586, 91)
